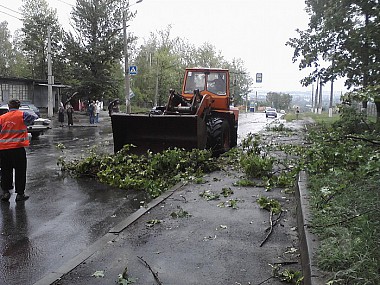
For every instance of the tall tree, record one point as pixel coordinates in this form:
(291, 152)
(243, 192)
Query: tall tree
(342, 40)
(21, 67)
(6, 51)
(207, 56)
(95, 51)
(160, 68)
(241, 81)
(13, 63)
(162, 60)
(38, 19)
(280, 101)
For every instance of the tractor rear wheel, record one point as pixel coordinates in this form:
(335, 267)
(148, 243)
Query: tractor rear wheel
(219, 136)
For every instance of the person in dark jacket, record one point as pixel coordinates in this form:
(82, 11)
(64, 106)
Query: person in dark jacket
(113, 107)
(13, 140)
(61, 115)
(70, 111)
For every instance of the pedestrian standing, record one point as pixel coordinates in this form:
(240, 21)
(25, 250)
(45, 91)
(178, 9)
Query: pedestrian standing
(113, 107)
(97, 111)
(13, 140)
(61, 114)
(70, 111)
(297, 112)
(91, 112)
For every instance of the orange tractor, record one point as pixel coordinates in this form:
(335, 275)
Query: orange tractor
(200, 117)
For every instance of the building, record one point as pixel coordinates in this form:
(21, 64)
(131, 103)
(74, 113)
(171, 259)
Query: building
(34, 91)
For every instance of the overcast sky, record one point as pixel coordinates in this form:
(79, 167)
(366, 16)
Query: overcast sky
(254, 30)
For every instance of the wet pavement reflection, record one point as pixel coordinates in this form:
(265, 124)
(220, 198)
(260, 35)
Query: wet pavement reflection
(15, 247)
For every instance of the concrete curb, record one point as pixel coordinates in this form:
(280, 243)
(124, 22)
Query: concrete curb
(102, 242)
(308, 241)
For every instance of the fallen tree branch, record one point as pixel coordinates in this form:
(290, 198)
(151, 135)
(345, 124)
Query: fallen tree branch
(272, 223)
(345, 220)
(151, 270)
(262, 282)
(363, 139)
(180, 200)
(285, 262)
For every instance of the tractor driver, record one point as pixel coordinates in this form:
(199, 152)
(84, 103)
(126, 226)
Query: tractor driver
(218, 85)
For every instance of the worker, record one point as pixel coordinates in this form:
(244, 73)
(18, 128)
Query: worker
(13, 140)
(217, 86)
(113, 107)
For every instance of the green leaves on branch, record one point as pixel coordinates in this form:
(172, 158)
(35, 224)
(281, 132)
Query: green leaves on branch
(270, 205)
(153, 173)
(343, 170)
(289, 276)
(256, 166)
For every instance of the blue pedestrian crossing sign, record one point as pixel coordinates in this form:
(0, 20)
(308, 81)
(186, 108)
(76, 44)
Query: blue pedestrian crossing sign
(133, 70)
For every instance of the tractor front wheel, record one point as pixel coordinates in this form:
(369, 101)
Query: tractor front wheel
(219, 135)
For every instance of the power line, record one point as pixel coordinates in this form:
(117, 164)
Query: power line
(10, 15)
(10, 9)
(66, 3)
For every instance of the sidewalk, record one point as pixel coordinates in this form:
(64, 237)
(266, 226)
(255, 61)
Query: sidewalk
(80, 119)
(212, 245)
(184, 239)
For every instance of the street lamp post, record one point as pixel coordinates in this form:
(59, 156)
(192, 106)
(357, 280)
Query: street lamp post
(126, 64)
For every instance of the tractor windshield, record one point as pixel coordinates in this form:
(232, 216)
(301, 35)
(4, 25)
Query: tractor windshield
(216, 83)
(194, 80)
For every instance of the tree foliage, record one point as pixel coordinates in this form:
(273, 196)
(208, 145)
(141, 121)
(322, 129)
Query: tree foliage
(241, 81)
(342, 40)
(279, 100)
(369, 93)
(89, 57)
(162, 59)
(94, 52)
(20, 63)
(38, 19)
(6, 51)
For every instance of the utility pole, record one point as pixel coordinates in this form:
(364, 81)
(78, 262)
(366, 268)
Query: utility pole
(156, 91)
(331, 92)
(126, 63)
(50, 78)
(320, 97)
(126, 66)
(331, 98)
(312, 97)
(315, 107)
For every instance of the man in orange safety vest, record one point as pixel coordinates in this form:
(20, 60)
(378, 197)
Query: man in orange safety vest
(13, 140)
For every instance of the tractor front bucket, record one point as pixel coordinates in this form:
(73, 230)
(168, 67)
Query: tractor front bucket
(158, 132)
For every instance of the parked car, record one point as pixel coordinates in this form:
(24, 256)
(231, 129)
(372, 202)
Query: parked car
(271, 112)
(267, 108)
(31, 106)
(28, 109)
(3, 109)
(38, 128)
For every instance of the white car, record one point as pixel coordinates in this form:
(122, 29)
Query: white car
(38, 128)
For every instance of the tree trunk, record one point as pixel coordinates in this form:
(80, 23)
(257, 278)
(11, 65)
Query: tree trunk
(377, 104)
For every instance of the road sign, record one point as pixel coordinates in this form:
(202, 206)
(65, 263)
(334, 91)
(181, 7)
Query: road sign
(133, 70)
(259, 77)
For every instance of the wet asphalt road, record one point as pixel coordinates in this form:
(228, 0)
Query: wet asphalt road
(65, 215)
